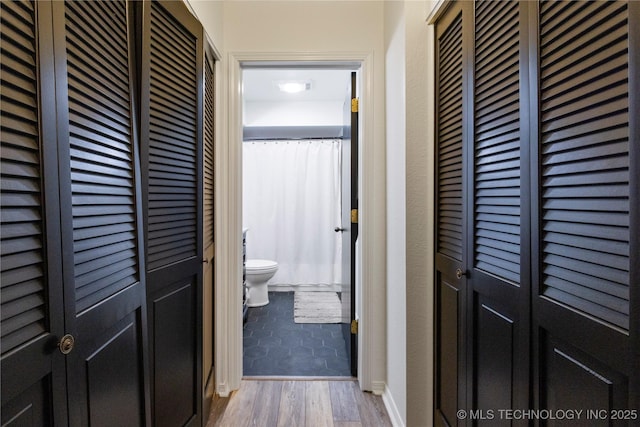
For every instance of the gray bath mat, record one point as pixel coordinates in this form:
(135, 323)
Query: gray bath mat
(317, 307)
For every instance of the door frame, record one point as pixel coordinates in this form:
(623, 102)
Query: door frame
(228, 221)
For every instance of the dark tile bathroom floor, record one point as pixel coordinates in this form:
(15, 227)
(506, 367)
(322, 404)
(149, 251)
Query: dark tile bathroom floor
(275, 345)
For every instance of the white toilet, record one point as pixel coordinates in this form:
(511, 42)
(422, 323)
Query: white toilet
(259, 272)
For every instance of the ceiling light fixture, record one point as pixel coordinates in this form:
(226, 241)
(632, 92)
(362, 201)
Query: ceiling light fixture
(292, 86)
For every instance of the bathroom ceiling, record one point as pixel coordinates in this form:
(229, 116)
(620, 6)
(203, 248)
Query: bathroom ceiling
(326, 85)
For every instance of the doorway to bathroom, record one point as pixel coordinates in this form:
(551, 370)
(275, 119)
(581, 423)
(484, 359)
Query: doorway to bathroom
(299, 162)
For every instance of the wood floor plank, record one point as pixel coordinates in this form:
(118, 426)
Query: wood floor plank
(296, 403)
(218, 408)
(240, 407)
(371, 408)
(318, 412)
(292, 404)
(265, 409)
(378, 408)
(343, 401)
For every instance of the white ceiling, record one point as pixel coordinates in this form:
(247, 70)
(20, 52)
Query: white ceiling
(326, 85)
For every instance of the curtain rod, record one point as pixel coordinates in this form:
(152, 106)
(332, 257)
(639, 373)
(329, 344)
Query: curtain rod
(292, 132)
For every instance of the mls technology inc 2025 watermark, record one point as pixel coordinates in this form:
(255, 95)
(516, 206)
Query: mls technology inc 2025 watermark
(549, 414)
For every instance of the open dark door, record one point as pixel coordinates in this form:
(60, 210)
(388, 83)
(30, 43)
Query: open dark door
(349, 228)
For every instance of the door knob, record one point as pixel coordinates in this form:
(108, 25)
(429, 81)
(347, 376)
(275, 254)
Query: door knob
(66, 344)
(460, 273)
(339, 230)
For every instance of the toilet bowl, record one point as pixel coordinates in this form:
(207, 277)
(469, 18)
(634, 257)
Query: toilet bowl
(258, 273)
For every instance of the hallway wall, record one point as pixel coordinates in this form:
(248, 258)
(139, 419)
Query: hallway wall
(287, 28)
(396, 129)
(420, 211)
(400, 40)
(211, 15)
(409, 79)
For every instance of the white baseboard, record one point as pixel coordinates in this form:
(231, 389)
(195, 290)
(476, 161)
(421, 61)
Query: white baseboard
(223, 390)
(378, 387)
(392, 408)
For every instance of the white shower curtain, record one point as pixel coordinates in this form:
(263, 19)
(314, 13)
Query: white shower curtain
(291, 206)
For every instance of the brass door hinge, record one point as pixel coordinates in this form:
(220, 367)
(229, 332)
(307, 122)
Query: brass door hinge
(354, 105)
(354, 327)
(354, 216)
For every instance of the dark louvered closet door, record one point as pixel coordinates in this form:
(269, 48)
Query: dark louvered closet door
(499, 304)
(450, 292)
(586, 303)
(537, 206)
(101, 215)
(31, 294)
(172, 127)
(209, 150)
(208, 212)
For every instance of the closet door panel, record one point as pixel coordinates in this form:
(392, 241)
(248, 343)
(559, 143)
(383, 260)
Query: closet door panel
(172, 140)
(101, 214)
(208, 213)
(583, 301)
(33, 378)
(448, 354)
(451, 236)
(500, 293)
(494, 353)
(568, 370)
(113, 375)
(175, 383)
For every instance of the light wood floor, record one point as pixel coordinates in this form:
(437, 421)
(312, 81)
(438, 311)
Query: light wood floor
(299, 403)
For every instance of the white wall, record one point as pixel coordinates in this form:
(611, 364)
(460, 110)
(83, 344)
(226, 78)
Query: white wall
(420, 86)
(292, 113)
(210, 14)
(395, 70)
(345, 28)
(409, 82)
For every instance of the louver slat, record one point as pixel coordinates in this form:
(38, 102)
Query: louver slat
(449, 177)
(22, 278)
(172, 143)
(103, 199)
(209, 154)
(497, 143)
(585, 157)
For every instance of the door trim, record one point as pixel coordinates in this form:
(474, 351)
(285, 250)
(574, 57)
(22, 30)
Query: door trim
(228, 222)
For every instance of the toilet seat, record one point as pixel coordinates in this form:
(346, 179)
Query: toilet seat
(260, 265)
